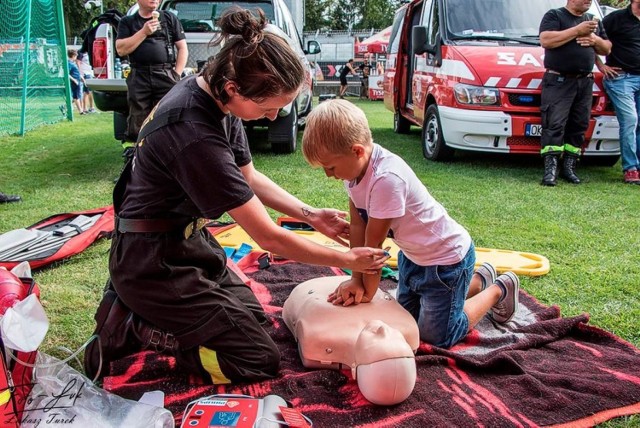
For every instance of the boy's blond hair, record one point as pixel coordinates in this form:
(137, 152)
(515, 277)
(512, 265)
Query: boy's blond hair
(333, 127)
(71, 53)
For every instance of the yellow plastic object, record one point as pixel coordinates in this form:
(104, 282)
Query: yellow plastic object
(527, 264)
(235, 236)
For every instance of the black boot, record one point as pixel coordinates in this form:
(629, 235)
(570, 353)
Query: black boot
(569, 169)
(550, 170)
(121, 333)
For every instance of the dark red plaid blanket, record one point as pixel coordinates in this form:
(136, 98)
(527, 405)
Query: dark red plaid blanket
(540, 369)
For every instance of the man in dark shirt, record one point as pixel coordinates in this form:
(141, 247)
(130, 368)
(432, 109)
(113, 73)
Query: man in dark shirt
(571, 38)
(157, 50)
(365, 70)
(622, 82)
(346, 69)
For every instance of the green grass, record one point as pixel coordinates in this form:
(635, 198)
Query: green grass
(588, 232)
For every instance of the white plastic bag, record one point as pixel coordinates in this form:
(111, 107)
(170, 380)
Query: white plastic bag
(62, 397)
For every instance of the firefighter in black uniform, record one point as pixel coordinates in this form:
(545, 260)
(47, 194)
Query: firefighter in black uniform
(171, 288)
(571, 38)
(157, 50)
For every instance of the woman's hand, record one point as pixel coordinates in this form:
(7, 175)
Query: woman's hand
(330, 223)
(367, 260)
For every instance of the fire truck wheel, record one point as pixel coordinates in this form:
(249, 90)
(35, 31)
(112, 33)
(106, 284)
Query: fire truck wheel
(434, 147)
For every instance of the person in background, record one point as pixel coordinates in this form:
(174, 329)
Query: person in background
(622, 82)
(365, 71)
(171, 288)
(344, 72)
(157, 50)
(5, 199)
(436, 283)
(76, 80)
(571, 39)
(86, 71)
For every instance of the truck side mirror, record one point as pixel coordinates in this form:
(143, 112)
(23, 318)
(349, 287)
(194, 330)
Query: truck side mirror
(419, 40)
(420, 44)
(313, 47)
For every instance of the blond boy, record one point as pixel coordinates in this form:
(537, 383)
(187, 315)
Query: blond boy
(437, 284)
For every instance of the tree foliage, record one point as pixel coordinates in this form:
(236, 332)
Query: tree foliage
(615, 3)
(77, 18)
(315, 17)
(378, 14)
(349, 14)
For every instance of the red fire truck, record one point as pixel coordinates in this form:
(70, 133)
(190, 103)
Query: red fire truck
(469, 73)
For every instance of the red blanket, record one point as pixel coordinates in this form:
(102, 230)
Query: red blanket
(540, 369)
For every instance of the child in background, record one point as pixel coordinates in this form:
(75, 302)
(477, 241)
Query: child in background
(86, 71)
(437, 284)
(76, 80)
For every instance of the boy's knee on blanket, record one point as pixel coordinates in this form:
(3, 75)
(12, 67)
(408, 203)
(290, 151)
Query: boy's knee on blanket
(446, 337)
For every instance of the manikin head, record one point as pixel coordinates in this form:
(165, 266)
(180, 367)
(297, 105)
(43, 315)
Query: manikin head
(385, 366)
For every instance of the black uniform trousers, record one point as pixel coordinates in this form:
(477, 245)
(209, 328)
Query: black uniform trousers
(566, 110)
(146, 85)
(184, 287)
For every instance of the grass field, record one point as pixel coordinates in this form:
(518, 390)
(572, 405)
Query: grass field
(590, 233)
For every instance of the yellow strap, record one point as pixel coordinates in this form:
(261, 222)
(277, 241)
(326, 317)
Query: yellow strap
(209, 360)
(5, 396)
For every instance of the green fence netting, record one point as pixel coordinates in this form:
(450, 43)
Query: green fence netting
(34, 78)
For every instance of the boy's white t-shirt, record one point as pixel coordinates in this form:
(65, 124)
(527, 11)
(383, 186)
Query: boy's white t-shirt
(420, 225)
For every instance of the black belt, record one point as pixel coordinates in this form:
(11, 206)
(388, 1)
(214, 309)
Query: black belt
(571, 75)
(163, 66)
(160, 225)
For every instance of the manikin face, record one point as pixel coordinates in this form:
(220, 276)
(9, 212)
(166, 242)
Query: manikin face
(378, 341)
(385, 367)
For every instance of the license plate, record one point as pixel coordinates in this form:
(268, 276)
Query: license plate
(533, 130)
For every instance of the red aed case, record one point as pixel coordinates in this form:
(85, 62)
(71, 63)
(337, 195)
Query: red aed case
(238, 411)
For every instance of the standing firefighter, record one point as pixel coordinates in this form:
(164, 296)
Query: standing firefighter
(157, 50)
(571, 38)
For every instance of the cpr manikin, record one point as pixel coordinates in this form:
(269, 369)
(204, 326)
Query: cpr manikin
(376, 340)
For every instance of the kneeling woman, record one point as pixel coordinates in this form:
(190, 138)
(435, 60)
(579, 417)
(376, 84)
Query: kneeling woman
(171, 288)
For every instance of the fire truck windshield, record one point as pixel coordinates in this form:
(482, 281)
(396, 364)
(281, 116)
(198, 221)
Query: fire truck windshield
(497, 18)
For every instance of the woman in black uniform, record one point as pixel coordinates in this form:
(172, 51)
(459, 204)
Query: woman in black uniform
(170, 286)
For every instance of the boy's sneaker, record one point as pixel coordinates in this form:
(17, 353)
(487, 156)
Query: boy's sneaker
(487, 273)
(632, 177)
(503, 311)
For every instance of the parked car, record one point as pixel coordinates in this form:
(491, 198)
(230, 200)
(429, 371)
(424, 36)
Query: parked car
(198, 19)
(468, 72)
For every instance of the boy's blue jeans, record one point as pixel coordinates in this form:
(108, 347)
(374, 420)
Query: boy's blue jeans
(435, 296)
(624, 92)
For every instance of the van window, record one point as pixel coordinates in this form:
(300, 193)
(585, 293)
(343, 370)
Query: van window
(201, 16)
(394, 41)
(498, 17)
(434, 23)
